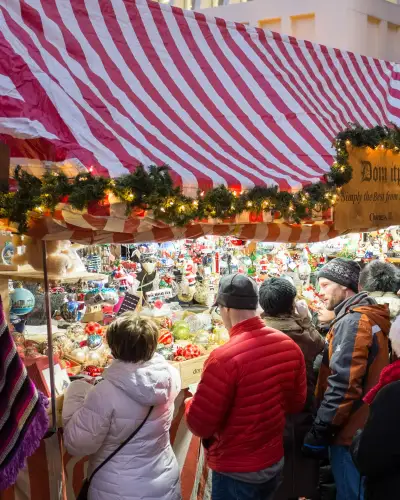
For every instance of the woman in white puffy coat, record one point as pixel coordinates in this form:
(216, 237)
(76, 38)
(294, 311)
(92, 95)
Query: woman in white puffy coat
(98, 419)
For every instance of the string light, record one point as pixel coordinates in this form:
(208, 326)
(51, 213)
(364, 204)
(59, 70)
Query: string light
(249, 204)
(91, 169)
(195, 203)
(182, 208)
(348, 143)
(162, 209)
(202, 194)
(130, 196)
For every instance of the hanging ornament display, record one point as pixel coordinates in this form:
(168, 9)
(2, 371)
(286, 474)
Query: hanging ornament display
(22, 301)
(70, 309)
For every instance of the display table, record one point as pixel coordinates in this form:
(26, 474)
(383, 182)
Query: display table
(53, 474)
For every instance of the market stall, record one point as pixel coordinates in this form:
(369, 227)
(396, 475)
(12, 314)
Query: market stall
(236, 142)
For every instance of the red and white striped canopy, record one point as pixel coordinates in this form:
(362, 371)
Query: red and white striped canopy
(110, 84)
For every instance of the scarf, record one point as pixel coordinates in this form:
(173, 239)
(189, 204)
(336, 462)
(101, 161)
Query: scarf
(390, 373)
(23, 417)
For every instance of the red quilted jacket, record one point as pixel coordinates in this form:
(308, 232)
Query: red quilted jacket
(247, 387)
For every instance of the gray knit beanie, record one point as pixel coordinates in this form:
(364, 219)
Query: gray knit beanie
(345, 272)
(277, 296)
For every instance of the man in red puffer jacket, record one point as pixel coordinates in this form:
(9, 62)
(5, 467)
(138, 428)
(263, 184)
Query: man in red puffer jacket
(247, 387)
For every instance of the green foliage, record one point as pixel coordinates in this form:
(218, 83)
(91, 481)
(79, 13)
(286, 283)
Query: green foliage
(153, 189)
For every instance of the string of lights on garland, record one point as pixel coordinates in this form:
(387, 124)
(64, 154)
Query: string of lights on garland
(153, 189)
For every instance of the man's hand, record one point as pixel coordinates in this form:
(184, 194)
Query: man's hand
(317, 440)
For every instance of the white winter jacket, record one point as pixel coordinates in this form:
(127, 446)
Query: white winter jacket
(97, 419)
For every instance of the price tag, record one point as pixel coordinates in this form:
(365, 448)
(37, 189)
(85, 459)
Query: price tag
(163, 293)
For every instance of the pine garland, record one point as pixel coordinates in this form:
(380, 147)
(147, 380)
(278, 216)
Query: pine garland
(153, 189)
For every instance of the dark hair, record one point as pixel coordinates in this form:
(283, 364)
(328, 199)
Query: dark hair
(132, 338)
(380, 276)
(277, 296)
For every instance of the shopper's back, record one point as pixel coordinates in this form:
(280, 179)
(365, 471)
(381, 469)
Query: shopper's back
(247, 387)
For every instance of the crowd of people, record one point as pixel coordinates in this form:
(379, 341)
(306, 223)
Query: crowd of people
(280, 405)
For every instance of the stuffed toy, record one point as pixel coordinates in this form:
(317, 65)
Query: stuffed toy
(62, 259)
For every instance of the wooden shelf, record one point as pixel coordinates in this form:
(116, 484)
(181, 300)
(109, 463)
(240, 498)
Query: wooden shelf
(32, 275)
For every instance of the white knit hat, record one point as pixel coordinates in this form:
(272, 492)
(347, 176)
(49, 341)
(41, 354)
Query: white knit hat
(394, 336)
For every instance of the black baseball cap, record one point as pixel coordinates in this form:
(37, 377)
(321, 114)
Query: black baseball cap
(237, 291)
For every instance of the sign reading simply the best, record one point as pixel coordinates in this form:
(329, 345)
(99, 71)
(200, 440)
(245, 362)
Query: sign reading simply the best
(372, 198)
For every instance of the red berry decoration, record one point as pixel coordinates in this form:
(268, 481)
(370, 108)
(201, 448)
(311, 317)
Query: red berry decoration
(191, 351)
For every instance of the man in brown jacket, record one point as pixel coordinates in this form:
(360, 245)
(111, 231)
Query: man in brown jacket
(281, 312)
(356, 353)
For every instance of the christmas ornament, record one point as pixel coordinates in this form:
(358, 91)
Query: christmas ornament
(166, 352)
(22, 301)
(165, 337)
(94, 341)
(202, 338)
(93, 371)
(166, 323)
(93, 358)
(70, 309)
(79, 355)
(93, 328)
(179, 358)
(181, 330)
(191, 351)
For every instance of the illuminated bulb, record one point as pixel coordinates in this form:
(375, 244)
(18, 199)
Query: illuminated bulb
(171, 203)
(91, 169)
(265, 204)
(112, 183)
(162, 209)
(195, 203)
(382, 146)
(130, 197)
(232, 207)
(202, 194)
(249, 204)
(348, 142)
(234, 193)
(182, 208)
(342, 168)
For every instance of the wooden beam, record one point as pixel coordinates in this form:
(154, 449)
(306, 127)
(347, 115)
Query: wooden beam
(4, 167)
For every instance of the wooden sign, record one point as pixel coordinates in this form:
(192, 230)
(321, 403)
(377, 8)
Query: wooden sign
(371, 199)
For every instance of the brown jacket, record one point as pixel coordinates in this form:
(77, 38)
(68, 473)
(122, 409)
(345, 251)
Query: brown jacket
(306, 336)
(356, 353)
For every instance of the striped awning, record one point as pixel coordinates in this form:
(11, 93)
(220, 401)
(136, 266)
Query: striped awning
(108, 84)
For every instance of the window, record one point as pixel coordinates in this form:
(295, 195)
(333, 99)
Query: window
(303, 26)
(273, 24)
(374, 38)
(393, 41)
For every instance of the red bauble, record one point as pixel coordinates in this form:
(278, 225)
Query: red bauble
(191, 351)
(165, 337)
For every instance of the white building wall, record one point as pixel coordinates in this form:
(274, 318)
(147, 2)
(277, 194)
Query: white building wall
(368, 27)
